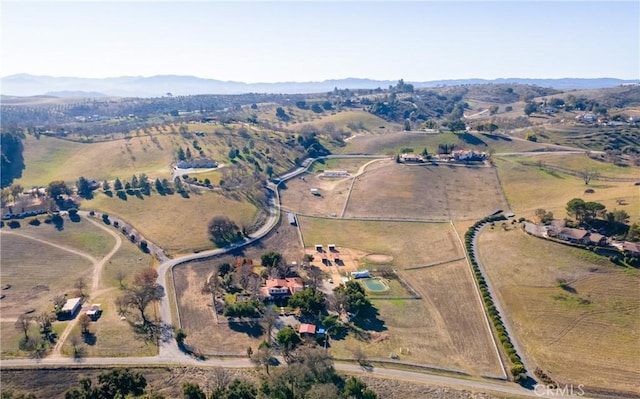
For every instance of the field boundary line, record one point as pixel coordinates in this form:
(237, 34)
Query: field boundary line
(444, 262)
(481, 303)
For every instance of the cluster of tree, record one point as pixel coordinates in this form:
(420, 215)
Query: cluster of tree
(518, 371)
(543, 216)
(223, 231)
(143, 291)
(351, 297)
(586, 211)
(455, 125)
(183, 155)
(116, 383)
(310, 301)
(487, 127)
(11, 155)
(39, 344)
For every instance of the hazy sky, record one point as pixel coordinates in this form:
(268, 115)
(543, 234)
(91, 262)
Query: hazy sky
(285, 41)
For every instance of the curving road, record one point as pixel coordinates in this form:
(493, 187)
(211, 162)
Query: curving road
(170, 353)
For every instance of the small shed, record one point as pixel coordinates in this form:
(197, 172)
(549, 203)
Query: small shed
(292, 218)
(332, 247)
(308, 329)
(94, 311)
(314, 191)
(319, 248)
(360, 274)
(71, 307)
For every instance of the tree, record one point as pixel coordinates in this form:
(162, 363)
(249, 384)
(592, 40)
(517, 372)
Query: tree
(159, 187)
(16, 190)
(106, 186)
(270, 259)
(121, 274)
(80, 284)
(530, 107)
(542, 216)
(241, 390)
(191, 390)
(23, 323)
(269, 318)
(354, 388)
(117, 185)
(58, 302)
(310, 300)
(576, 208)
(494, 109)
(85, 322)
(633, 234)
(78, 349)
(85, 190)
(592, 210)
(223, 231)
(588, 175)
(57, 189)
(44, 321)
(288, 339)
(618, 216)
(181, 154)
(281, 114)
(143, 291)
(134, 181)
(354, 296)
(407, 125)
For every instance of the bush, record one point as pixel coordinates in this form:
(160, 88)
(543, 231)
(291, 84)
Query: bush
(34, 222)
(14, 224)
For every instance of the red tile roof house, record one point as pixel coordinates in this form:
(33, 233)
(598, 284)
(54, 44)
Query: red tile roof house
(281, 287)
(309, 329)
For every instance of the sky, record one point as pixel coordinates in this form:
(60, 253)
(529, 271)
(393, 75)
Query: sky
(266, 41)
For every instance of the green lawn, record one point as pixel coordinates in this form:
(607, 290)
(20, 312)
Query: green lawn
(175, 223)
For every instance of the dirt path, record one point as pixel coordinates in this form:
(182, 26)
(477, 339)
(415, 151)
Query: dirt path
(98, 266)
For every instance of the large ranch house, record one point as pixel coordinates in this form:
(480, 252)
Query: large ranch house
(280, 288)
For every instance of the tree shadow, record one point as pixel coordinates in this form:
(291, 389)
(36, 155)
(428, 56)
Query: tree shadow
(89, 338)
(184, 194)
(471, 139)
(109, 193)
(368, 319)
(251, 328)
(496, 137)
(122, 195)
(74, 217)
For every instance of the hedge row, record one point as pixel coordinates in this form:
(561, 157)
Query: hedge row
(517, 370)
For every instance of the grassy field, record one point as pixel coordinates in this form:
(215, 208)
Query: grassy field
(36, 272)
(49, 159)
(425, 192)
(409, 243)
(82, 236)
(440, 330)
(587, 333)
(529, 187)
(394, 143)
(166, 220)
(581, 162)
(111, 336)
(363, 120)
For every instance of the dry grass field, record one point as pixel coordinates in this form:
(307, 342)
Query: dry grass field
(582, 162)
(587, 333)
(529, 187)
(363, 120)
(445, 192)
(298, 198)
(449, 288)
(196, 314)
(440, 330)
(168, 381)
(409, 243)
(175, 223)
(36, 273)
(49, 159)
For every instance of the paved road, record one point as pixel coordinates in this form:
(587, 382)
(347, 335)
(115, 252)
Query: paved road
(170, 354)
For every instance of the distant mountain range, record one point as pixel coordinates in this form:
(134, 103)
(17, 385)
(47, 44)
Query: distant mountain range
(161, 85)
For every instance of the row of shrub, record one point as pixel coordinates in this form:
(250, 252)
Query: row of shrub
(518, 370)
(548, 381)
